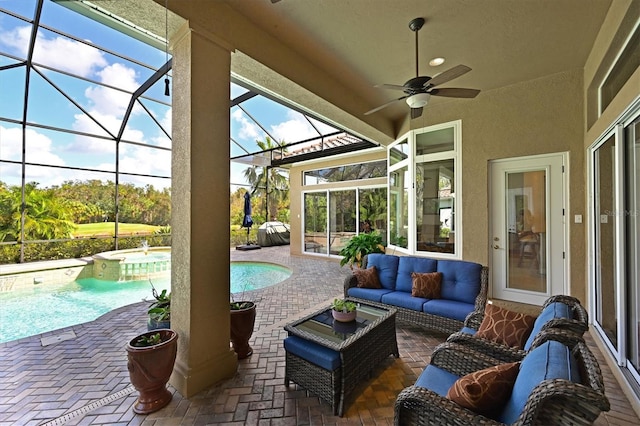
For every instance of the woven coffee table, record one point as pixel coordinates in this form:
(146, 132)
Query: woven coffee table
(352, 349)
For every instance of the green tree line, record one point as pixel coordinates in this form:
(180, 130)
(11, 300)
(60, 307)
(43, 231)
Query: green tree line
(54, 212)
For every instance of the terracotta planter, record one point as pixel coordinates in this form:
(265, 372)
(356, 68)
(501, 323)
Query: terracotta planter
(242, 323)
(150, 368)
(344, 316)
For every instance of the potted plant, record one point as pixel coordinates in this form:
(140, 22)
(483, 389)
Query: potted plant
(243, 317)
(150, 360)
(359, 246)
(344, 310)
(160, 310)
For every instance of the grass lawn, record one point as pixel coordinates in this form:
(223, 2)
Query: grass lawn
(100, 229)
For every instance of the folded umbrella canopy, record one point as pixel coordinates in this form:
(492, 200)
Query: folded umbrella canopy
(247, 222)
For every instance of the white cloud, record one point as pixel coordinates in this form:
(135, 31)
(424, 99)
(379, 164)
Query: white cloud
(59, 52)
(248, 129)
(109, 101)
(293, 130)
(39, 147)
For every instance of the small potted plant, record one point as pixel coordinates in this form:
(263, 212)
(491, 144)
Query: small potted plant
(359, 246)
(150, 360)
(160, 310)
(344, 310)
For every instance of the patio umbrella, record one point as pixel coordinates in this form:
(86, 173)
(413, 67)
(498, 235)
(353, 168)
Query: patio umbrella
(247, 222)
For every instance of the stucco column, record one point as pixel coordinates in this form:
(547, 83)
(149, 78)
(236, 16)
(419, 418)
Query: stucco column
(200, 211)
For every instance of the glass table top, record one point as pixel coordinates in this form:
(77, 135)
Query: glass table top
(323, 325)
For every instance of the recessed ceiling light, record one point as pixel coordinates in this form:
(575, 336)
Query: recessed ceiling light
(436, 61)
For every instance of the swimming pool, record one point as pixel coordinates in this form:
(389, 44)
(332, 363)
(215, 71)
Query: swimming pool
(50, 307)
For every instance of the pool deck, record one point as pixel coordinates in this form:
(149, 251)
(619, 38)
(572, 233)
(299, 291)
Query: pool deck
(78, 375)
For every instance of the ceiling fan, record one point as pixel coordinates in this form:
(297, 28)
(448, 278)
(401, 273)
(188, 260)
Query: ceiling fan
(419, 89)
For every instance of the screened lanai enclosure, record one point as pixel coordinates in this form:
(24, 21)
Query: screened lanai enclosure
(85, 131)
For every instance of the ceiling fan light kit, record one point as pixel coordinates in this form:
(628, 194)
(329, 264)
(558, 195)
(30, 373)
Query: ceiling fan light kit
(419, 89)
(418, 100)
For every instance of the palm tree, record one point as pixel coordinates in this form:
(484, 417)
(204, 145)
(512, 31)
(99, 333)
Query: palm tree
(45, 216)
(268, 182)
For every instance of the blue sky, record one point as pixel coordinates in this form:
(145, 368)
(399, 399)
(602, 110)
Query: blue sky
(102, 102)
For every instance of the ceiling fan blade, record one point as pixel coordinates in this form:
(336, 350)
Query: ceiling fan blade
(448, 75)
(384, 105)
(391, 86)
(416, 112)
(453, 92)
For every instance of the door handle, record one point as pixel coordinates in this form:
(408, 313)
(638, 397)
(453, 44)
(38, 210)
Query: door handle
(496, 246)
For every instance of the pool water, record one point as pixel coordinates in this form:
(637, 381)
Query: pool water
(50, 307)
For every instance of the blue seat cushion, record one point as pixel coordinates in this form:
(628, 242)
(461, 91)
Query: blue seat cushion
(387, 266)
(436, 379)
(373, 294)
(404, 300)
(552, 311)
(551, 360)
(409, 264)
(313, 352)
(468, 330)
(460, 280)
(448, 308)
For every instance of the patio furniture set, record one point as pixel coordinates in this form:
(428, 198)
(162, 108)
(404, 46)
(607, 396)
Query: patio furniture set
(496, 367)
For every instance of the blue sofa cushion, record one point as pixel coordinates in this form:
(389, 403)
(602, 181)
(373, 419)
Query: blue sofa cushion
(552, 311)
(387, 266)
(313, 352)
(373, 294)
(460, 280)
(436, 379)
(403, 300)
(409, 264)
(468, 330)
(551, 360)
(448, 308)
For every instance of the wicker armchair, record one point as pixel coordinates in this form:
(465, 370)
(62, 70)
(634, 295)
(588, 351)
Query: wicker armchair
(551, 402)
(568, 328)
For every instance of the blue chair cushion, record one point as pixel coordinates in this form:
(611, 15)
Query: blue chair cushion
(404, 300)
(468, 330)
(409, 264)
(387, 266)
(313, 352)
(436, 379)
(448, 308)
(460, 280)
(373, 294)
(551, 360)
(552, 311)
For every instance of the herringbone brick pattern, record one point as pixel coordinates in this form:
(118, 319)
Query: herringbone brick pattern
(84, 380)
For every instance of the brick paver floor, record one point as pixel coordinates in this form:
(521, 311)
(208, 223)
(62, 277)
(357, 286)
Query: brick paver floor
(80, 377)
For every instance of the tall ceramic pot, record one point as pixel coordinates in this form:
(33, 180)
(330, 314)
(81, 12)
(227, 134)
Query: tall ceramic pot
(242, 323)
(150, 368)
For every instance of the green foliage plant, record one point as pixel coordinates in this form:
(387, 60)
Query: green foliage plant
(160, 309)
(150, 340)
(342, 305)
(359, 246)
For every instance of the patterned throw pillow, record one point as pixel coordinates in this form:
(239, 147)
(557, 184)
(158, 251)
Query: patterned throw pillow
(367, 278)
(426, 285)
(504, 326)
(485, 391)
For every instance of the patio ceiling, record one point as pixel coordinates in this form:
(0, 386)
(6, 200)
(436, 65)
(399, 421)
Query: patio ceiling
(355, 45)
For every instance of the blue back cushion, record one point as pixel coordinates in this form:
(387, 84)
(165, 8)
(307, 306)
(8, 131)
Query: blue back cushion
(387, 266)
(552, 311)
(409, 264)
(460, 280)
(551, 360)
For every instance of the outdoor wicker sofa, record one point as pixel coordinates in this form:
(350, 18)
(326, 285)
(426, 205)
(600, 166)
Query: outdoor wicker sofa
(463, 294)
(560, 314)
(556, 384)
